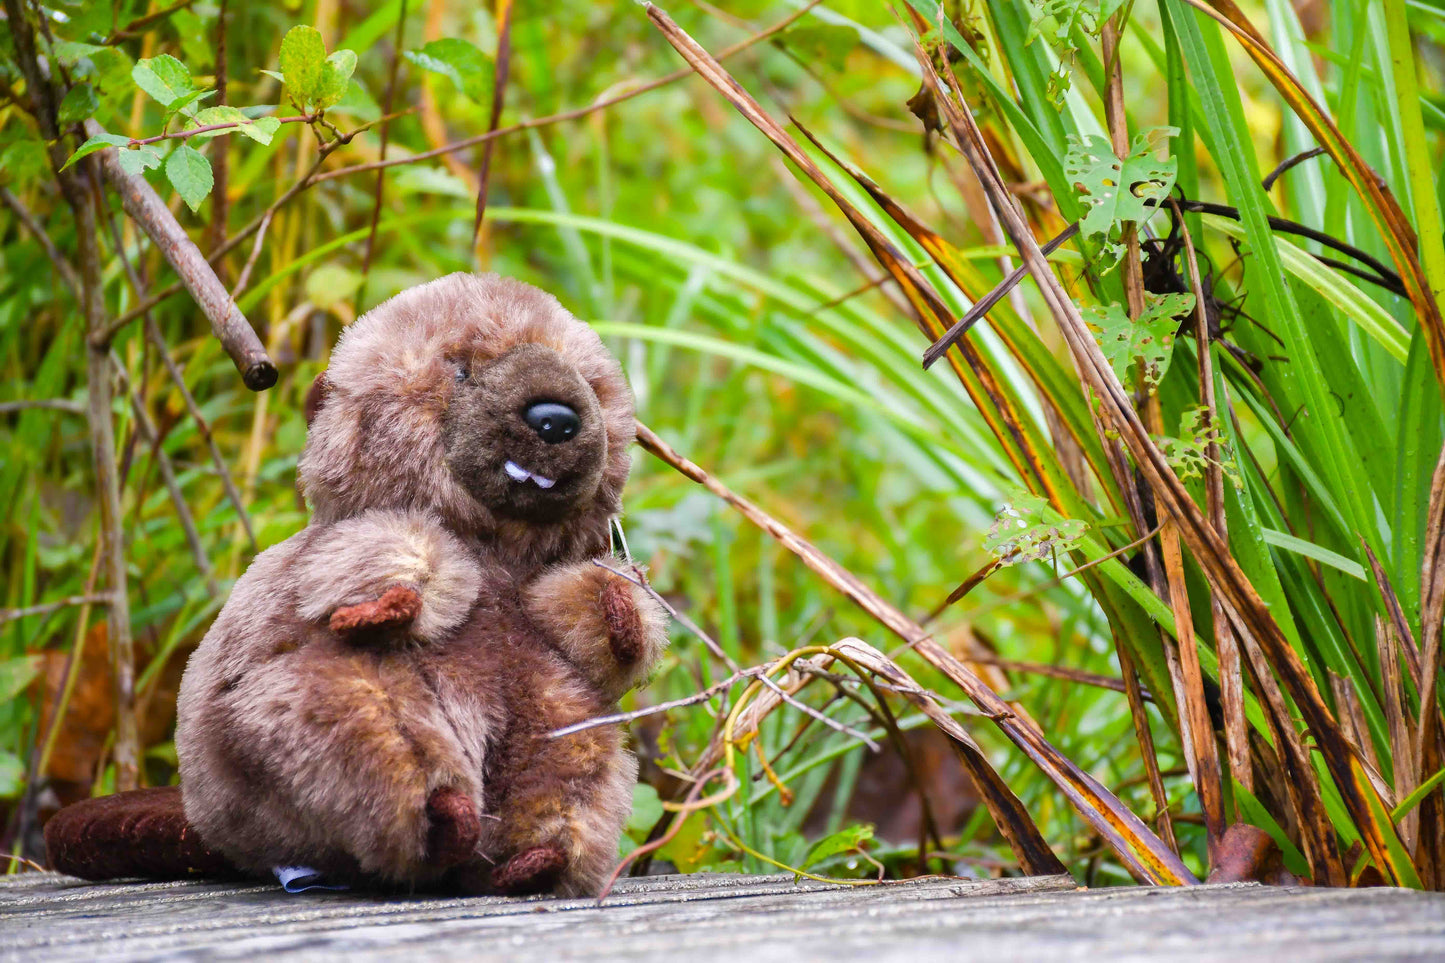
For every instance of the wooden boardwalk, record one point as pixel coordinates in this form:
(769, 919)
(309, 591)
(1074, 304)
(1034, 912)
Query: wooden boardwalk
(697, 919)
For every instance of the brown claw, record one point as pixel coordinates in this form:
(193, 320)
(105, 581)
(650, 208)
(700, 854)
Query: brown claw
(397, 608)
(624, 625)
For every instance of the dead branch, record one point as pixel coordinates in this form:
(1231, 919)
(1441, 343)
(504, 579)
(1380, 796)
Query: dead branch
(42, 404)
(32, 224)
(229, 326)
(45, 608)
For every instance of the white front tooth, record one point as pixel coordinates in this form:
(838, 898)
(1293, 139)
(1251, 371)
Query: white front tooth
(517, 472)
(544, 482)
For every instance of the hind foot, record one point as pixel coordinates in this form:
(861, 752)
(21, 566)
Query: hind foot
(455, 827)
(535, 870)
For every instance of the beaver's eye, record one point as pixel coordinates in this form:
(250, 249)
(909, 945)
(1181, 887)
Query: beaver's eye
(463, 372)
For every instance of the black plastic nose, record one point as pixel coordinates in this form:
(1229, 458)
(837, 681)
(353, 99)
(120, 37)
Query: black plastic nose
(553, 422)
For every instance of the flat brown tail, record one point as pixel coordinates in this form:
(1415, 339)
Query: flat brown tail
(139, 833)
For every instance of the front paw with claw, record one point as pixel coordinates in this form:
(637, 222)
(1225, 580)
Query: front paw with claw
(610, 627)
(395, 611)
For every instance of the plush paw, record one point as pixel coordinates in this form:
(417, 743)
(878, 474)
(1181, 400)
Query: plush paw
(625, 632)
(532, 871)
(455, 827)
(397, 608)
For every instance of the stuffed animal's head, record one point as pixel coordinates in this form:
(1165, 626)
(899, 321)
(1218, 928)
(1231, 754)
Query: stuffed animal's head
(481, 399)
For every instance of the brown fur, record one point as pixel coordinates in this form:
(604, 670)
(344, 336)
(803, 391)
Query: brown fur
(374, 699)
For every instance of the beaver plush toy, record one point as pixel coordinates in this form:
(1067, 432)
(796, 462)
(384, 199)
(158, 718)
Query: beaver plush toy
(373, 704)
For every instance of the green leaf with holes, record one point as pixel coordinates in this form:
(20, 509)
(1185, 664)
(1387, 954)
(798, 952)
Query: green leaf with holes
(1147, 340)
(1066, 15)
(1027, 529)
(1114, 190)
(190, 174)
(165, 78)
(1188, 454)
(143, 158)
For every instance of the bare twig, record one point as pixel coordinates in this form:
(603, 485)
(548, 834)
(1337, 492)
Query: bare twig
(717, 650)
(1061, 672)
(140, 23)
(227, 323)
(1289, 163)
(499, 92)
(63, 268)
(220, 162)
(722, 685)
(158, 341)
(78, 195)
(45, 608)
(211, 128)
(151, 437)
(385, 135)
(1231, 670)
(43, 404)
(683, 620)
(976, 313)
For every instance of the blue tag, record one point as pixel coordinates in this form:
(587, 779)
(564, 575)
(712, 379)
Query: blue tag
(299, 879)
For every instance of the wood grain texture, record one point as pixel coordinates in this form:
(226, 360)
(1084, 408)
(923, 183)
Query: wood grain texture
(723, 917)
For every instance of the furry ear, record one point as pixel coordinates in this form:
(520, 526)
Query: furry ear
(316, 397)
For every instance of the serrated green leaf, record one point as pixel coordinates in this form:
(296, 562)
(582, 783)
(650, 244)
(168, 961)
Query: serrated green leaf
(79, 103)
(1114, 190)
(262, 129)
(335, 76)
(468, 68)
(186, 105)
(98, 142)
(1027, 529)
(190, 174)
(303, 54)
(223, 114)
(164, 78)
(272, 74)
(1148, 339)
(143, 158)
(825, 43)
(843, 841)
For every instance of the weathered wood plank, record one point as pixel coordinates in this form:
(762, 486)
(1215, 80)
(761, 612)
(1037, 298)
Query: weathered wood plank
(757, 919)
